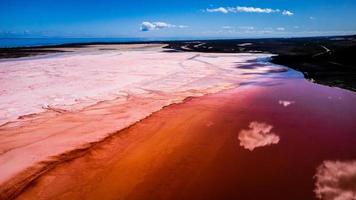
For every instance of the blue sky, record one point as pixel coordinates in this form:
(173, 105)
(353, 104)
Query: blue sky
(176, 19)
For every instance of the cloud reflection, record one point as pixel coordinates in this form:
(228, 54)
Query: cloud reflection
(285, 103)
(336, 180)
(258, 135)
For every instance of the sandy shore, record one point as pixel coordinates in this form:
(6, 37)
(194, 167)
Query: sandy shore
(54, 108)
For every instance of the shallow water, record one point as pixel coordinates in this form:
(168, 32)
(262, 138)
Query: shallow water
(276, 138)
(71, 102)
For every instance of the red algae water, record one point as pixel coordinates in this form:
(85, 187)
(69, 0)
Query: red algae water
(70, 101)
(277, 138)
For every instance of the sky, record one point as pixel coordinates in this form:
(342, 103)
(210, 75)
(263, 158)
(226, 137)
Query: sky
(176, 18)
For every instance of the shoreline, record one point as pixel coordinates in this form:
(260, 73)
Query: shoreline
(67, 131)
(162, 41)
(70, 133)
(8, 191)
(132, 162)
(324, 60)
(13, 186)
(72, 62)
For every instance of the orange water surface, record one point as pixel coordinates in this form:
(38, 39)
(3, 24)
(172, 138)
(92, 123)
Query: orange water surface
(262, 140)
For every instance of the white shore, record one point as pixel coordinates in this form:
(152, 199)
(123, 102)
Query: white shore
(72, 101)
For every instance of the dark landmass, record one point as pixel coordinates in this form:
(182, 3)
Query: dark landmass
(324, 60)
(19, 52)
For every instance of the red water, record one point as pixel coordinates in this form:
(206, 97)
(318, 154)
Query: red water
(196, 150)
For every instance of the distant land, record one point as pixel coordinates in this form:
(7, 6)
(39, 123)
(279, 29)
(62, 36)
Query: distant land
(324, 60)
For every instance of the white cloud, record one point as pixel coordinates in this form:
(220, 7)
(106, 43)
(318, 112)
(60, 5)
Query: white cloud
(280, 29)
(160, 25)
(149, 26)
(336, 180)
(182, 26)
(221, 9)
(287, 12)
(258, 135)
(246, 9)
(226, 27)
(285, 103)
(247, 27)
(253, 10)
